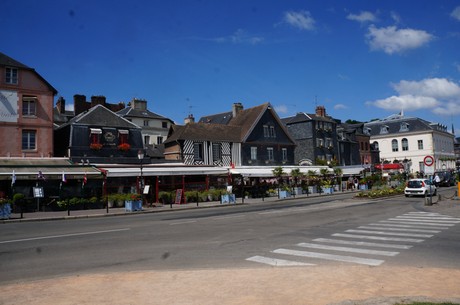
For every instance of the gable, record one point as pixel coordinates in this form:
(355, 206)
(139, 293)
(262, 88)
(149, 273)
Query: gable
(101, 116)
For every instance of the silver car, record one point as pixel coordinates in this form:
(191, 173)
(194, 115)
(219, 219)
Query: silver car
(420, 187)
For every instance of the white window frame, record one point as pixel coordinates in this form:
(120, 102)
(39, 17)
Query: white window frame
(27, 108)
(270, 154)
(253, 153)
(11, 76)
(29, 138)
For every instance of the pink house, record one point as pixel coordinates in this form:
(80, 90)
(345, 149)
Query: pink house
(26, 111)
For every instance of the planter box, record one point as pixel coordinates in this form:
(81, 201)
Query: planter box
(363, 187)
(285, 194)
(228, 198)
(312, 189)
(131, 206)
(298, 190)
(328, 190)
(5, 211)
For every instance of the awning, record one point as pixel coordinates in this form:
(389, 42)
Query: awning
(267, 171)
(390, 166)
(353, 170)
(95, 130)
(123, 131)
(51, 168)
(148, 170)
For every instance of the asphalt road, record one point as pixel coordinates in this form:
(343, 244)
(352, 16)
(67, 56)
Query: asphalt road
(297, 232)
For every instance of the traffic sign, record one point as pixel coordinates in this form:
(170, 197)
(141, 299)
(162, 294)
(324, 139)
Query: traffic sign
(428, 161)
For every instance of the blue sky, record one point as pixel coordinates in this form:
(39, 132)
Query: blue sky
(360, 59)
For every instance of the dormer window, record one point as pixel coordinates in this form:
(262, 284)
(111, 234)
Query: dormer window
(384, 129)
(404, 127)
(367, 131)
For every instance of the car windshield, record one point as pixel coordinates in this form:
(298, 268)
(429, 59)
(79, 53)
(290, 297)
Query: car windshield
(414, 184)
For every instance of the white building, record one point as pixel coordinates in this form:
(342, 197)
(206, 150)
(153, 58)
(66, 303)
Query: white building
(154, 126)
(411, 139)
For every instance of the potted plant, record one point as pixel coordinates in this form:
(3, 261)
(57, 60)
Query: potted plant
(227, 197)
(133, 202)
(284, 192)
(95, 146)
(5, 208)
(124, 147)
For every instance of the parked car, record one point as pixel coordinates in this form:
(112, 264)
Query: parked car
(446, 178)
(419, 187)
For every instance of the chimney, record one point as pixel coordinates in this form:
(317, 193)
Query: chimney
(189, 119)
(139, 104)
(320, 111)
(97, 100)
(236, 108)
(79, 104)
(60, 105)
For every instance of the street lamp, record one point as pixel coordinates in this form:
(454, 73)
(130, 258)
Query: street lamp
(140, 156)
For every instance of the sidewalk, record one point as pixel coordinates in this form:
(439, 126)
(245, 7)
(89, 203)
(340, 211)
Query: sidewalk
(446, 203)
(56, 215)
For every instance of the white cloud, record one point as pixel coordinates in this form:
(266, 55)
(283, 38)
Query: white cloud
(433, 87)
(340, 106)
(240, 36)
(281, 109)
(456, 13)
(363, 17)
(301, 20)
(409, 102)
(393, 40)
(440, 95)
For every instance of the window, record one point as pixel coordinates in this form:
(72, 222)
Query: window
(198, 151)
(146, 140)
(123, 136)
(394, 145)
(11, 76)
(28, 139)
(159, 139)
(405, 144)
(376, 145)
(270, 153)
(266, 131)
(253, 153)
(328, 142)
(284, 154)
(216, 152)
(29, 106)
(420, 144)
(146, 122)
(404, 127)
(95, 135)
(319, 142)
(272, 132)
(384, 129)
(164, 124)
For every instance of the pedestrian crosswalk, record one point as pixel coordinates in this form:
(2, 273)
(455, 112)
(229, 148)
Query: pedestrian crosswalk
(368, 244)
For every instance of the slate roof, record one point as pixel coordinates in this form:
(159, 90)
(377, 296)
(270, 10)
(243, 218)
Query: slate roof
(131, 112)
(100, 116)
(7, 61)
(301, 117)
(394, 125)
(205, 132)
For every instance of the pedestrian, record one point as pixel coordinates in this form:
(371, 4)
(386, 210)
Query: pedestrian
(437, 180)
(356, 183)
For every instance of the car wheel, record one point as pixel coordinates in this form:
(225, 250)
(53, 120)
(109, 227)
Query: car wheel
(406, 195)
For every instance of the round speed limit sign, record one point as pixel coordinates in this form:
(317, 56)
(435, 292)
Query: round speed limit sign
(428, 161)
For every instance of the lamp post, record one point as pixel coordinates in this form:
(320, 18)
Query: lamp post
(140, 156)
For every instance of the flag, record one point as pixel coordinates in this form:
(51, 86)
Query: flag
(84, 180)
(13, 178)
(64, 179)
(41, 176)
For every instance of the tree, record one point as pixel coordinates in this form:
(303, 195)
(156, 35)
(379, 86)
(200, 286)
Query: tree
(278, 173)
(296, 174)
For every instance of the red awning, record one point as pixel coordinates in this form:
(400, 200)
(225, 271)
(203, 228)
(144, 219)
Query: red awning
(389, 166)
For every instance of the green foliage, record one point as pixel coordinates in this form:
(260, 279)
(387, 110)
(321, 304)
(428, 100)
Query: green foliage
(382, 192)
(17, 197)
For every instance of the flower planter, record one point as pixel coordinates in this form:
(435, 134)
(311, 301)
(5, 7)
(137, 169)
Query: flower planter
(285, 194)
(328, 190)
(298, 190)
(5, 211)
(228, 198)
(363, 187)
(312, 189)
(133, 205)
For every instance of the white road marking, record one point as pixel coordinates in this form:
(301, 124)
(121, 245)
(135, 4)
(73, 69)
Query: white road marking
(397, 225)
(439, 217)
(390, 233)
(228, 217)
(424, 220)
(63, 235)
(361, 243)
(399, 229)
(378, 237)
(182, 222)
(341, 258)
(276, 262)
(393, 220)
(347, 249)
